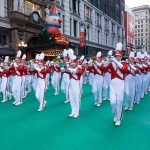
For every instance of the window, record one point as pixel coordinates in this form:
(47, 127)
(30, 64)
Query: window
(3, 39)
(113, 27)
(70, 26)
(87, 12)
(75, 27)
(30, 7)
(141, 30)
(74, 6)
(63, 18)
(5, 9)
(98, 33)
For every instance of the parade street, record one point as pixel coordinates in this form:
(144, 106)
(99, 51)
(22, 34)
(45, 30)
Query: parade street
(22, 128)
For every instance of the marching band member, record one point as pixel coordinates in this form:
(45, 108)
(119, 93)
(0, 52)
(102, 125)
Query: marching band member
(146, 75)
(65, 77)
(56, 76)
(41, 82)
(98, 79)
(91, 73)
(130, 83)
(5, 76)
(138, 78)
(74, 87)
(34, 79)
(118, 70)
(23, 86)
(83, 68)
(17, 83)
(106, 84)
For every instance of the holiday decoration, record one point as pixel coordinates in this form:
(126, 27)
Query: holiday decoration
(53, 22)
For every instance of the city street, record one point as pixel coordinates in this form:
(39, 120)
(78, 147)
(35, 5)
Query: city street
(23, 128)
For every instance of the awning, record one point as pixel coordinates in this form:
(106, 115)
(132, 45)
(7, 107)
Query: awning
(7, 52)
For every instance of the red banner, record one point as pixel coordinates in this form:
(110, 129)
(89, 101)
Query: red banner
(129, 28)
(82, 39)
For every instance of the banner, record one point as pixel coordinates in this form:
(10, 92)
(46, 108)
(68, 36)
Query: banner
(82, 39)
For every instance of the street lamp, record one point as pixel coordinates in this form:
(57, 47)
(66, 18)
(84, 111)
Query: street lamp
(22, 44)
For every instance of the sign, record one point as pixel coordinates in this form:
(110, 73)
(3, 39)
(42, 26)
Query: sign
(129, 28)
(82, 39)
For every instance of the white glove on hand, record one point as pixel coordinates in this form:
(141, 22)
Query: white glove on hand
(72, 70)
(132, 67)
(117, 62)
(15, 64)
(110, 53)
(1, 70)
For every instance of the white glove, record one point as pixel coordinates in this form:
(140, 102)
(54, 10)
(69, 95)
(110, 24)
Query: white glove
(98, 64)
(1, 70)
(37, 68)
(117, 62)
(132, 67)
(15, 64)
(110, 53)
(72, 70)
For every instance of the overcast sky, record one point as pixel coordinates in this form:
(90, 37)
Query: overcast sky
(134, 3)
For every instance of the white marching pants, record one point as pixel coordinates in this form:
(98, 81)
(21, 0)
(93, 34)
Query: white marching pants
(106, 85)
(16, 89)
(97, 88)
(138, 85)
(34, 82)
(144, 79)
(65, 85)
(75, 96)
(4, 87)
(55, 80)
(91, 77)
(40, 91)
(129, 90)
(23, 87)
(116, 97)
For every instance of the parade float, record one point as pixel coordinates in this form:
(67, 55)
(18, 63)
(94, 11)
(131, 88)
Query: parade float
(50, 40)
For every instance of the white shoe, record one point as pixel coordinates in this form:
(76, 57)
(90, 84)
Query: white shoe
(66, 101)
(118, 123)
(40, 109)
(104, 99)
(14, 102)
(76, 116)
(3, 101)
(146, 93)
(126, 108)
(138, 103)
(45, 102)
(18, 103)
(71, 115)
(115, 119)
(95, 103)
(131, 108)
(56, 93)
(98, 105)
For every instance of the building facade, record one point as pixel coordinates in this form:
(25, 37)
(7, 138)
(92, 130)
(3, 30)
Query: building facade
(101, 20)
(142, 27)
(5, 29)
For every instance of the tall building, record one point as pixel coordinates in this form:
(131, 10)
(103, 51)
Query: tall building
(101, 21)
(142, 27)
